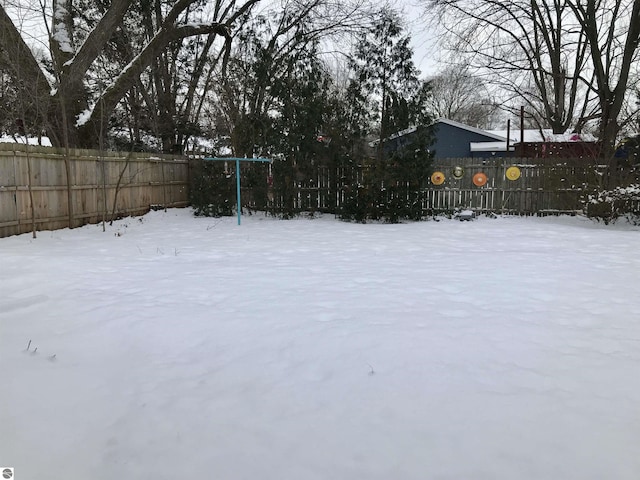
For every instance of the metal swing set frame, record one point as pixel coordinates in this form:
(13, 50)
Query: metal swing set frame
(238, 160)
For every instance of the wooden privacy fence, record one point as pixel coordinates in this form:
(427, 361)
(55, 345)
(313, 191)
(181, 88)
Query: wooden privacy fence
(34, 190)
(544, 186)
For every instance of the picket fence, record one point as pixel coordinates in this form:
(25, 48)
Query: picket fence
(545, 186)
(35, 191)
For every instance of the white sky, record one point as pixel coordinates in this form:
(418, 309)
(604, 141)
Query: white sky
(423, 40)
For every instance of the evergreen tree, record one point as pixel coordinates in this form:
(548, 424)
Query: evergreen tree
(289, 110)
(301, 96)
(386, 84)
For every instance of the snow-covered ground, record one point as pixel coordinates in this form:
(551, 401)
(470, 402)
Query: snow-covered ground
(178, 347)
(44, 141)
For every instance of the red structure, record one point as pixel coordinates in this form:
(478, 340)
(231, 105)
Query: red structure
(572, 149)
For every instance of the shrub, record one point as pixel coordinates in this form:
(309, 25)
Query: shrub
(610, 205)
(391, 189)
(212, 192)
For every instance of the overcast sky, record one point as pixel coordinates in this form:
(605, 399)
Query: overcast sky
(422, 38)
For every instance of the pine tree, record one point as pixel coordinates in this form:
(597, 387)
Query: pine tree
(386, 84)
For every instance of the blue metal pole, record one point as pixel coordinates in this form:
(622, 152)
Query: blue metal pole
(238, 189)
(238, 160)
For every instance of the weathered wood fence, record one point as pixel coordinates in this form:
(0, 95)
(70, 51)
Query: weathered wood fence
(35, 191)
(544, 186)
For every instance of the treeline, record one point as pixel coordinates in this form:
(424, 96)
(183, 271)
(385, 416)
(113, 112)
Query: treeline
(166, 75)
(257, 78)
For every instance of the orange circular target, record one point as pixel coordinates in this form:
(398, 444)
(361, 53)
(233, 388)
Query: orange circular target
(479, 179)
(512, 173)
(437, 178)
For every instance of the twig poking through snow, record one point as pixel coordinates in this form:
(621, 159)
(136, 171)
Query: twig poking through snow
(209, 227)
(372, 372)
(51, 358)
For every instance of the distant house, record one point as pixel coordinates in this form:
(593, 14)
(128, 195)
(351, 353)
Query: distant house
(457, 140)
(629, 149)
(558, 149)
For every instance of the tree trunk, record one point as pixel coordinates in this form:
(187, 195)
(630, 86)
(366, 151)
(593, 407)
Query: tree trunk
(64, 112)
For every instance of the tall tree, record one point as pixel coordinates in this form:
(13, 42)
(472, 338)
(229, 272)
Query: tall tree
(386, 79)
(612, 29)
(386, 84)
(262, 57)
(74, 110)
(530, 48)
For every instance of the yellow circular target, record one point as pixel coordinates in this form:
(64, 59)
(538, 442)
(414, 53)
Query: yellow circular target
(513, 173)
(437, 178)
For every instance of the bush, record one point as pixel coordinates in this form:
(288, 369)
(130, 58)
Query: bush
(610, 205)
(213, 189)
(391, 189)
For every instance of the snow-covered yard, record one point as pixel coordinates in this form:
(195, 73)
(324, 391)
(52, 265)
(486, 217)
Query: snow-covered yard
(178, 347)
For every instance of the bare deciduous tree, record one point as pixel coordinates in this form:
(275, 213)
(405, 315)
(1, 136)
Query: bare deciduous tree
(571, 62)
(531, 48)
(612, 29)
(74, 109)
(262, 56)
(458, 95)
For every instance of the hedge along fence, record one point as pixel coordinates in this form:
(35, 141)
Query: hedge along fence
(280, 188)
(545, 186)
(34, 191)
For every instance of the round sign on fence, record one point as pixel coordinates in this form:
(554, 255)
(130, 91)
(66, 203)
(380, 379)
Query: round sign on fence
(457, 172)
(479, 179)
(437, 178)
(513, 173)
